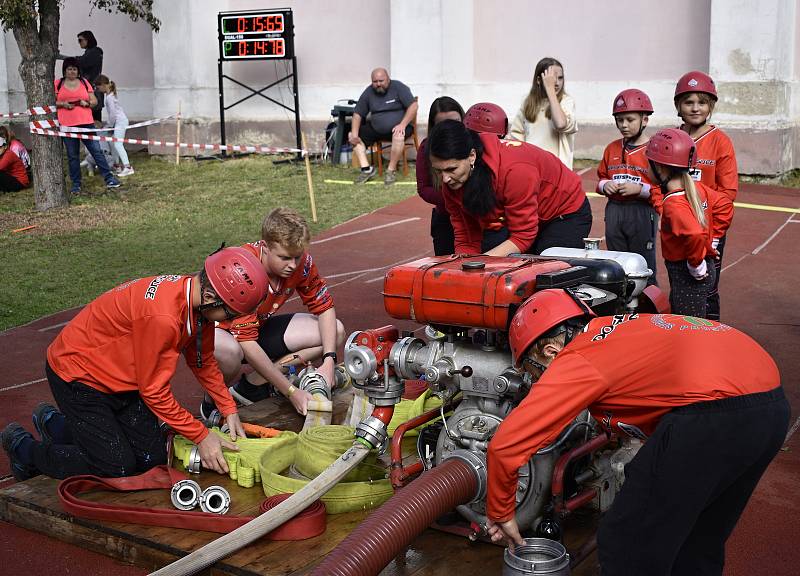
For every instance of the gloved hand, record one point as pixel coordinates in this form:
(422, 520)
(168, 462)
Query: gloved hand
(699, 272)
(715, 243)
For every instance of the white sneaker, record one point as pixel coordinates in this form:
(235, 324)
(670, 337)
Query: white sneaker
(127, 171)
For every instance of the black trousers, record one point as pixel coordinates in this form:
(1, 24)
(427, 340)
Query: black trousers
(712, 302)
(686, 488)
(632, 227)
(567, 231)
(8, 183)
(442, 233)
(687, 296)
(114, 434)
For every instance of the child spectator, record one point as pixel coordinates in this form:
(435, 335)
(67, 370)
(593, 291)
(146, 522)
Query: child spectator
(547, 116)
(13, 176)
(695, 97)
(16, 146)
(443, 108)
(691, 215)
(118, 120)
(631, 221)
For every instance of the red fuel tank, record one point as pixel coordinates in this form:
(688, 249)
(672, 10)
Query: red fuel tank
(471, 291)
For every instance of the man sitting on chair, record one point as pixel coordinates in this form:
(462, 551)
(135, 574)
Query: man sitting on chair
(391, 108)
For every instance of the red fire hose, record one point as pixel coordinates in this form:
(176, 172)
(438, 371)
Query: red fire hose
(390, 528)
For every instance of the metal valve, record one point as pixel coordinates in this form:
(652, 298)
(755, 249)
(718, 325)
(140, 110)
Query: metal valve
(192, 461)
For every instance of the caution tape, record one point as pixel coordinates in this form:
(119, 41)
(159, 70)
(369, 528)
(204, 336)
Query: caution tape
(167, 144)
(33, 111)
(54, 125)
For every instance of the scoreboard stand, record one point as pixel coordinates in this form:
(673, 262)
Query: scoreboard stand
(257, 35)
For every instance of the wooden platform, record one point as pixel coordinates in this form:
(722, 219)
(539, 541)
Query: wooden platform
(34, 505)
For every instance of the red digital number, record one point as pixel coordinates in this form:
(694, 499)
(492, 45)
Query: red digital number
(241, 48)
(279, 47)
(241, 25)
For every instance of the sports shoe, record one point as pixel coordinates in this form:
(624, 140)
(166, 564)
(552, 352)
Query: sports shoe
(42, 414)
(75, 191)
(112, 183)
(365, 177)
(254, 393)
(11, 437)
(127, 171)
(389, 177)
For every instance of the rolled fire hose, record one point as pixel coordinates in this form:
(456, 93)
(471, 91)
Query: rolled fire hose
(233, 541)
(390, 528)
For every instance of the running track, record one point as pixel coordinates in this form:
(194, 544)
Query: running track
(759, 296)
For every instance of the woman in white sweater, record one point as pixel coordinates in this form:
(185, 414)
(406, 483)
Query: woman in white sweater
(547, 115)
(119, 121)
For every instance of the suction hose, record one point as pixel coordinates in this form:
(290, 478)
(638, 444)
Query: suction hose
(390, 528)
(267, 522)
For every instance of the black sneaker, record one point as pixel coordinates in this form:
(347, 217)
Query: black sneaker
(41, 416)
(11, 437)
(208, 412)
(252, 394)
(365, 176)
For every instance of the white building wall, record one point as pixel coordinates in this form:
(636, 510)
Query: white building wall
(473, 50)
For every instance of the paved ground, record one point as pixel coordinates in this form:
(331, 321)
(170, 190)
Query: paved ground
(759, 296)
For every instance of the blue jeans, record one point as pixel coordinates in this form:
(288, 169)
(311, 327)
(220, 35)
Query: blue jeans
(73, 146)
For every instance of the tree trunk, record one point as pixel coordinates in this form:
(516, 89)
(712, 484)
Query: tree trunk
(39, 49)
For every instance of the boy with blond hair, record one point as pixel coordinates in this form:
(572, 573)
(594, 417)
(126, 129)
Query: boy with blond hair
(270, 342)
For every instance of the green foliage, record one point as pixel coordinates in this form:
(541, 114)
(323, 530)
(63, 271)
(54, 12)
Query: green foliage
(135, 9)
(17, 13)
(165, 219)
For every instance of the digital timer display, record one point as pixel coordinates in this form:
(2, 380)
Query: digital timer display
(249, 48)
(250, 24)
(255, 35)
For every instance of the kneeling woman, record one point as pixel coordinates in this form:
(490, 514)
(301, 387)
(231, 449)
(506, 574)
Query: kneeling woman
(504, 196)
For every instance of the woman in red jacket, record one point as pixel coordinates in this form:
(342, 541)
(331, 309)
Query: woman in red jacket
(504, 196)
(692, 215)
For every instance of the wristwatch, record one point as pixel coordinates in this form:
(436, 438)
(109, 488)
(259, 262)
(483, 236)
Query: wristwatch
(330, 355)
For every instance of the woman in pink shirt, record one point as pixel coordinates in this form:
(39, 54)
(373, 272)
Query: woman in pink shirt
(74, 101)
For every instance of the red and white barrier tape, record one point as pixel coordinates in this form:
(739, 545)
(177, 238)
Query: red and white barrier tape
(54, 125)
(220, 147)
(34, 111)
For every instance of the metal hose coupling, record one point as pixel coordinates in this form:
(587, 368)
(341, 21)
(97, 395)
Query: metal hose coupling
(372, 431)
(215, 499)
(314, 383)
(214, 419)
(192, 460)
(185, 494)
(477, 462)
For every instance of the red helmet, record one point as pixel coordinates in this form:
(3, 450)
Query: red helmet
(238, 277)
(696, 81)
(539, 314)
(671, 147)
(486, 117)
(632, 100)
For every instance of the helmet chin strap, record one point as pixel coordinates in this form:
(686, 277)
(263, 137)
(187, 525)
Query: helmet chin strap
(662, 182)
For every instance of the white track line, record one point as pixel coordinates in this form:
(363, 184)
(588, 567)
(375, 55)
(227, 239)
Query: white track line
(774, 234)
(583, 171)
(792, 430)
(15, 386)
(54, 326)
(370, 229)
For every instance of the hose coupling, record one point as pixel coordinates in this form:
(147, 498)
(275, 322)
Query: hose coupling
(192, 460)
(372, 430)
(477, 462)
(214, 419)
(215, 499)
(185, 494)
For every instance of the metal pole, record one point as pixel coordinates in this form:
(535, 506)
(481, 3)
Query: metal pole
(221, 107)
(296, 106)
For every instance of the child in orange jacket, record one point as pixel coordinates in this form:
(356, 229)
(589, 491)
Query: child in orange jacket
(691, 215)
(631, 218)
(695, 97)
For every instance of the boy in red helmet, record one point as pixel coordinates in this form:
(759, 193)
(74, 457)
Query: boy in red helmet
(631, 220)
(270, 342)
(705, 397)
(109, 370)
(695, 98)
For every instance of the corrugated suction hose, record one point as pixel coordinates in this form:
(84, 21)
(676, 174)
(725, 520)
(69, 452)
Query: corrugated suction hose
(381, 537)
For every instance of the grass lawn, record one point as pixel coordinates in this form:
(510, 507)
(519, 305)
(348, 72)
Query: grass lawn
(164, 219)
